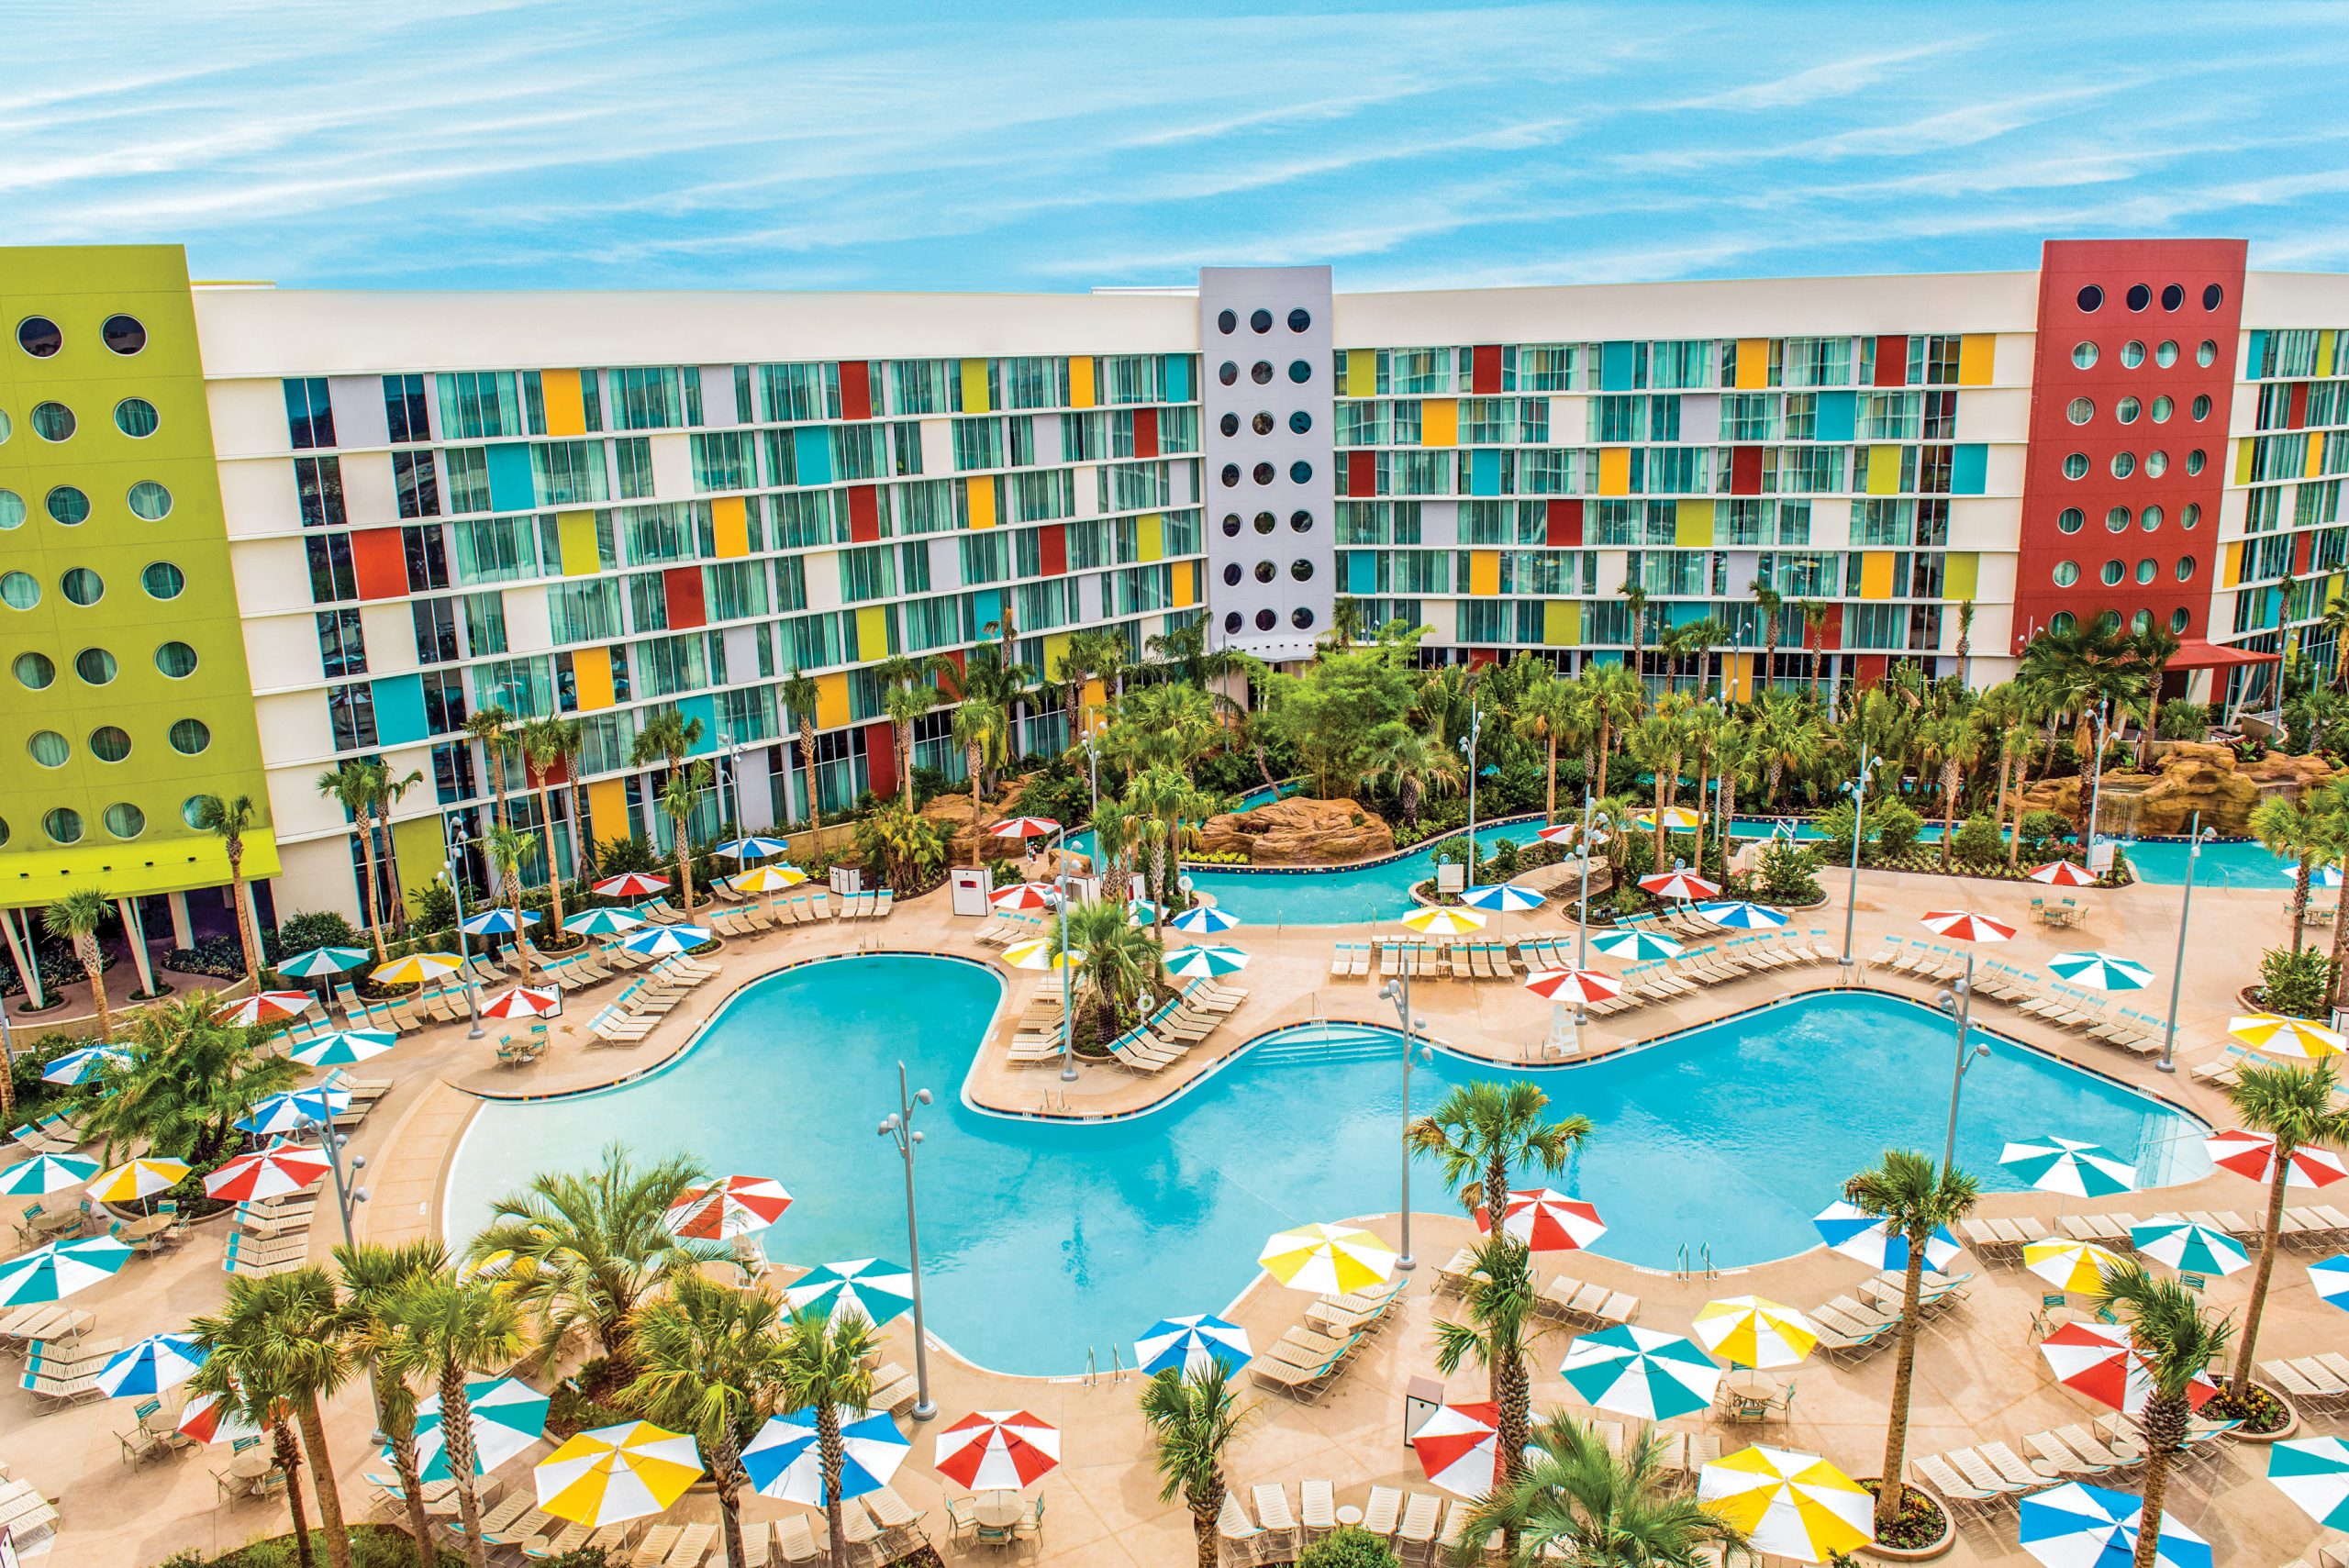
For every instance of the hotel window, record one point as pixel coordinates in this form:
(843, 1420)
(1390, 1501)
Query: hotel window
(1677, 365)
(591, 400)
(406, 414)
(735, 590)
(1182, 533)
(352, 709)
(1041, 606)
(1941, 417)
(868, 573)
(1361, 424)
(978, 443)
(1876, 626)
(1139, 487)
(1816, 362)
(436, 631)
(796, 391)
(444, 701)
(813, 642)
(933, 623)
(425, 556)
(342, 646)
(484, 625)
(810, 517)
(309, 415)
(924, 386)
(724, 460)
(1884, 523)
(1677, 471)
(496, 549)
(1132, 378)
(468, 479)
(331, 576)
(1035, 382)
(570, 474)
(1664, 418)
(478, 404)
(1549, 473)
(1618, 419)
(318, 481)
(913, 566)
(984, 559)
(1486, 422)
(2288, 354)
(924, 508)
(1933, 361)
(1891, 416)
(860, 452)
(2275, 407)
(585, 612)
(655, 398)
(1410, 372)
(633, 457)
(417, 480)
(1549, 368)
(1749, 416)
(655, 535)
(790, 583)
(905, 449)
(1042, 497)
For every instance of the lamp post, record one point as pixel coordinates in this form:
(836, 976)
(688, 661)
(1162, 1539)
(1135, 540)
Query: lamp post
(1093, 771)
(2198, 836)
(455, 870)
(1468, 750)
(1399, 992)
(346, 1197)
(1068, 1009)
(1857, 789)
(898, 1126)
(2096, 785)
(1958, 1003)
(1582, 911)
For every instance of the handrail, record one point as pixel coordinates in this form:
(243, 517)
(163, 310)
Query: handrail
(1680, 1262)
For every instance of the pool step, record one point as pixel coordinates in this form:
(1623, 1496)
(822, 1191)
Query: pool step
(1305, 1049)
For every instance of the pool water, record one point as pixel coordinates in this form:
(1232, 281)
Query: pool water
(1347, 895)
(2240, 864)
(1042, 1241)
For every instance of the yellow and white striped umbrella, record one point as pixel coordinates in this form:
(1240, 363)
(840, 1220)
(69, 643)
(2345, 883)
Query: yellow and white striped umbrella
(769, 879)
(1788, 1504)
(139, 1179)
(1328, 1260)
(1676, 819)
(2280, 1036)
(1037, 953)
(2077, 1267)
(415, 969)
(1436, 920)
(1754, 1331)
(611, 1473)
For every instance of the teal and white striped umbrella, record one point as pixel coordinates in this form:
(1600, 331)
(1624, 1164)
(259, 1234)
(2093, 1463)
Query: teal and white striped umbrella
(1203, 962)
(154, 1363)
(508, 1416)
(661, 941)
(2323, 876)
(1641, 1372)
(312, 963)
(2101, 970)
(81, 1066)
(2330, 1277)
(866, 1287)
(344, 1047)
(1143, 912)
(2067, 1165)
(753, 848)
(56, 1270)
(1637, 946)
(47, 1173)
(605, 922)
(2187, 1247)
(2313, 1472)
(1203, 920)
(497, 923)
(1501, 898)
(1736, 915)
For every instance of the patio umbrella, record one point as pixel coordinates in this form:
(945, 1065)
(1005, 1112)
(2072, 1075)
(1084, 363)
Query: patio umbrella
(769, 879)
(524, 1002)
(613, 1473)
(295, 1110)
(2101, 970)
(1024, 828)
(214, 1419)
(2187, 1247)
(1559, 832)
(139, 1179)
(1755, 1332)
(863, 1287)
(46, 1174)
(497, 923)
(267, 1007)
(1203, 920)
(1501, 898)
(1037, 953)
(1641, 1372)
(1676, 819)
(1440, 920)
(1961, 926)
(2313, 1472)
(1201, 961)
(752, 848)
(1546, 1221)
(2330, 1277)
(2098, 1359)
(154, 1363)
(1680, 884)
(783, 1460)
(1457, 1446)
(2069, 1166)
(274, 1172)
(605, 922)
(1582, 985)
(1736, 915)
(83, 1066)
(1143, 912)
(2322, 876)
(661, 941)
(2077, 1267)
(1023, 898)
(1328, 1260)
(312, 963)
(632, 884)
(344, 1047)
(2063, 873)
(1637, 946)
(724, 1209)
(415, 969)
(56, 1270)
(1847, 1230)
(993, 1451)
(1189, 1343)
(1788, 1504)
(2252, 1154)
(2280, 1036)
(508, 1416)
(2075, 1526)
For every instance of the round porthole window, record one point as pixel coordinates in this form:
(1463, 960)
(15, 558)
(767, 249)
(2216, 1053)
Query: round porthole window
(1229, 474)
(1262, 424)
(1225, 322)
(1301, 569)
(2156, 464)
(2202, 407)
(1267, 522)
(1232, 623)
(18, 591)
(1227, 373)
(2178, 621)
(1261, 373)
(176, 660)
(2066, 574)
(82, 586)
(35, 671)
(1264, 572)
(124, 334)
(136, 418)
(2127, 410)
(1300, 522)
(2116, 521)
(2140, 296)
(2062, 621)
(2111, 572)
(1301, 619)
(2081, 410)
(12, 510)
(2205, 352)
(2211, 295)
(2084, 354)
(1231, 575)
(1300, 371)
(39, 337)
(1300, 473)
(190, 737)
(1300, 421)
(2173, 295)
(2070, 520)
(1231, 525)
(1266, 620)
(2123, 464)
(2150, 519)
(162, 580)
(125, 820)
(2186, 569)
(2166, 352)
(1260, 321)
(2194, 461)
(110, 742)
(48, 748)
(2133, 354)
(1229, 424)
(95, 665)
(2147, 568)
(1299, 319)
(68, 506)
(2075, 465)
(2163, 409)
(53, 421)
(2189, 515)
(1263, 473)
(149, 502)
(63, 825)
(2092, 299)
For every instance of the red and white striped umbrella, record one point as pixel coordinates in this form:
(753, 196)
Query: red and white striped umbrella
(1022, 897)
(725, 1209)
(524, 1002)
(274, 1172)
(1558, 832)
(1547, 1221)
(2099, 1360)
(2063, 873)
(1458, 1448)
(1024, 828)
(1682, 884)
(1959, 925)
(997, 1450)
(214, 1419)
(1574, 985)
(2252, 1154)
(267, 1007)
(632, 884)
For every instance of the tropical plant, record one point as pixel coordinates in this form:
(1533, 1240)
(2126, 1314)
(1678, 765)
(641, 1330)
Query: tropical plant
(384, 792)
(188, 1078)
(374, 1277)
(904, 704)
(1616, 699)
(493, 727)
(1119, 961)
(1194, 1418)
(800, 695)
(2294, 1106)
(1349, 1546)
(820, 1366)
(78, 916)
(1771, 605)
(547, 742)
(1415, 764)
(351, 784)
(2292, 829)
(276, 1339)
(679, 797)
(1816, 615)
(1551, 712)
(449, 1330)
(1166, 799)
(902, 845)
(2296, 981)
(982, 728)
(1635, 599)
(507, 848)
(1658, 744)
(2175, 1340)
(229, 821)
(1482, 1130)
(1578, 1502)
(1499, 1305)
(711, 1362)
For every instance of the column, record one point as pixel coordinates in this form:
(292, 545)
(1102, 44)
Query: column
(20, 953)
(183, 923)
(134, 935)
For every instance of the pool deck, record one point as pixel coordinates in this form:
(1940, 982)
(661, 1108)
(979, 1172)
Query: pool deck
(1979, 1376)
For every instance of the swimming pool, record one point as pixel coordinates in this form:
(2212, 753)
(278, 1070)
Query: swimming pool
(1345, 896)
(2242, 863)
(1042, 1240)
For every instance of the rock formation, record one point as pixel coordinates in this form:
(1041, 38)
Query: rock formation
(2188, 778)
(1298, 831)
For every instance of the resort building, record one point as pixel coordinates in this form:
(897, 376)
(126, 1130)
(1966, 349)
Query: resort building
(247, 533)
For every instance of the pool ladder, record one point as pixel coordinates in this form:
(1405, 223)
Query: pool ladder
(1093, 1373)
(1704, 1268)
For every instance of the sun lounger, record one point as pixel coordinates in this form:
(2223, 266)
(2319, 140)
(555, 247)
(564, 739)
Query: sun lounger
(1416, 1535)
(893, 1389)
(1300, 1383)
(1384, 1512)
(1982, 1474)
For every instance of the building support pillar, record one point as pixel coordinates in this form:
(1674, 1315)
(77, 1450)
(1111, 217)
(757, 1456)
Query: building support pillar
(20, 953)
(183, 923)
(134, 932)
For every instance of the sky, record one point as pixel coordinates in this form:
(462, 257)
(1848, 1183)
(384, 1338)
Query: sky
(1006, 145)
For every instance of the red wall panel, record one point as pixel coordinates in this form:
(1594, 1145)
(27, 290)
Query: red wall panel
(2298, 417)
(1562, 525)
(1361, 473)
(1484, 370)
(856, 389)
(1746, 471)
(379, 563)
(681, 586)
(1872, 667)
(1892, 359)
(863, 513)
(1051, 544)
(881, 759)
(1145, 432)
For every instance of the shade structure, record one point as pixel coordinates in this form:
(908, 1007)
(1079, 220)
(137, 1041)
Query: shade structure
(1205, 961)
(2098, 1359)
(752, 848)
(1755, 1332)
(2252, 1154)
(769, 879)
(611, 1473)
(83, 1066)
(2322, 876)
(266, 1007)
(724, 1209)
(1024, 828)
(1637, 946)
(783, 1460)
(2330, 1277)
(1023, 898)
(1328, 1260)
(1964, 925)
(214, 1419)
(1190, 1343)
(137, 1179)
(1437, 921)
(605, 922)
(499, 922)
(2077, 1267)
(1582, 985)
(524, 1002)
(870, 1288)
(56, 1270)
(508, 1416)
(47, 1173)
(2313, 1472)
(632, 884)
(1501, 898)
(1560, 833)
(1737, 915)
(343, 1046)
(1203, 920)
(2188, 1247)
(1457, 1446)
(415, 969)
(2101, 970)
(2063, 873)
(2076, 1526)
(1037, 953)
(1140, 912)
(295, 1110)
(664, 942)
(1857, 1235)
(311, 963)
(1641, 1372)
(274, 1172)
(154, 1363)
(1676, 819)
(1547, 1221)
(1680, 884)
(2296, 1038)
(1788, 1504)
(997, 1450)
(2069, 1166)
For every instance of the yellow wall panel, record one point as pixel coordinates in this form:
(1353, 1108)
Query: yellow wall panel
(1362, 372)
(1692, 525)
(1961, 575)
(608, 808)
(980, 494)
(1884, 471)
(577, 531)
(1150, 536)
(1876, 575)
(421, 852)
(2324, 349)
(2242, 460)
(1752, 362)
(1055, 647)
(1973, 358)
(1187, 593)
(2316, 455)
(873, 632)
(1484, 573)
(1737, 676)
(975, 387)
(1561, 623)
(731, 526)
(566, 415)
(1439, 422)
(831, 700)
(591, 671)
(1614, 470)
(2232, 572)
(1080, 381)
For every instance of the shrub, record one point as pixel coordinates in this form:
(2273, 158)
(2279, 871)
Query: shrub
(1979, 842)
(1895, 829)
(634, 852)
(2184, 720)
(1789, 875)
(1349, 1546)
(2041, 833)
(436, 905)
(215, 958)
(2295, 983)
(1639, 852)
(316, 928)
(1503, 859)
(1834, 825)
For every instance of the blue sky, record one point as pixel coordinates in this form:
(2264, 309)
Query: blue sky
(1011, 145)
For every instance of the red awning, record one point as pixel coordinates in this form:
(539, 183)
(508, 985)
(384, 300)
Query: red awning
(2200, 653)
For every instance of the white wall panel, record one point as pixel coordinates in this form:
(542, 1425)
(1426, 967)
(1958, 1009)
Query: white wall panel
(272, 575)
(673, 467)
(359, 417)
(390, 631)
(258, 496)
(370, 497)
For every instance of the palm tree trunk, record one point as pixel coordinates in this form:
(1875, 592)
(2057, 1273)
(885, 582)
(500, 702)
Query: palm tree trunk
(546, 835)
(514, 903)
(2300, 899)
(728, 1474)
(2340, 945)
(2005, 763)
(970, 760)
(1662, 837)
(244, 917)
(1891, 1488)
(578, 815)
(2250, 1313)
(685, 865)
(1207, 1510)
(289, 1464)
(2156, 1492)
(832, 1455)
(807, 766)
(1605, 739)
(1729, 815)
(1950, 779)
(457, 1441)
(94, 965)
(411, 1475)
(314, 1444)
(374, 907)
(1704, 784)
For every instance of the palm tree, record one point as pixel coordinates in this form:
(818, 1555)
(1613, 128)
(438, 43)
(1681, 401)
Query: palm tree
(2153, 647)
(800, 694)
(1737, 762)
(1786, 734)
(1656, 744)
(904, 704)
(1771, 606)
(1498, 1302)
(547, 741)
(452, 1330)
(1578, 1504)
(374, 1276)
(385, 792)
(491, 727)
(820, 1368)
(508, 848)
(712, 1363)
(1616, 697)
(979, 727)
(679, 797)
(229, 821)
(1194, 1418)
(1415, 764)
(1706, 725)
(1482, 1130)
(1118, 960)
(1165, 798)
(1815, 617)
(2295, 1107)
(2291, 829)
(589, 1248)
(2176, 1340)
(1914, 1198)
(1951, 740)
(1551, 710)
(261, 1407)
(78, 916)
(278, 1337)
(1635, 598)
(351, 784)
(188, 1079)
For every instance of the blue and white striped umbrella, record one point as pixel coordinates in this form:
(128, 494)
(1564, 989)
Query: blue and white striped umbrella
(784, 1461)
(2074, 1526)
(508, 1416)
(660, 942)
(344, 1047)
(46, 1174)
(2323, 876)
(1205, 963)
(606, 922)
(295, 1110)
(1637, 946)
(870, 1288)
(497, 923)
(2069, 1166)
(1188, 1344)
(153, 1364)
(1501, 898)
(1856, 1235)
(1203, 920)
(753, 848)
(2101, 970)
(81, 1066)
(311, 963)
(1143, 912)
(2331, 1278)
(1736, 915)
